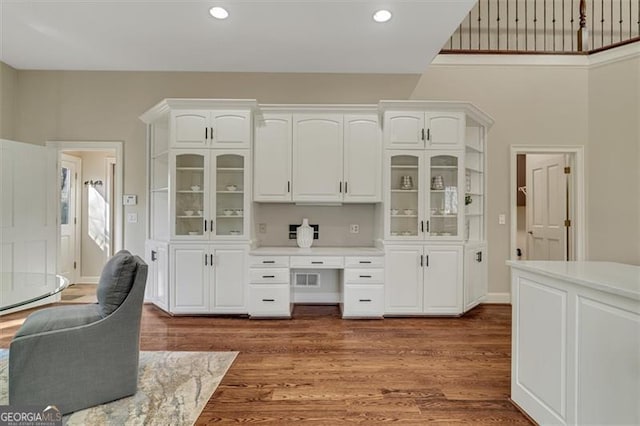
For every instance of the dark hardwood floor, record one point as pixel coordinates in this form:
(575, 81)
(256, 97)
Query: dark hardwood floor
(320, 369)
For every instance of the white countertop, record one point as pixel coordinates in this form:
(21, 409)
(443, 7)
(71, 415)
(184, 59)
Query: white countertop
(317, 251)
(615, 278)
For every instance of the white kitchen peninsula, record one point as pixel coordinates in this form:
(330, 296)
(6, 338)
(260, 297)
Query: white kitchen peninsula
(576, 341)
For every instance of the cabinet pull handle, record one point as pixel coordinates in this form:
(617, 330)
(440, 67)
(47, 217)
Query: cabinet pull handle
(206, 133)
(268, 300)
(205, 225)
(426, 260)
(421, 261)
(422, 226)
(268, 276)
(345, 187)
(211, 133)
(365, 276)
(340, 187)
(154, 255)
(428, 134)
(288, 186)
(317, 263)
(365, 261)
(268, 261)
(205, 260)
(422, 134)
(427, 226)
(365, 300)
(478, 256)
(211, 259)
(211, 227)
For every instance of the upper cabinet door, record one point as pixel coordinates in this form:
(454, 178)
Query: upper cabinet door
(404, 130)
(190, 129)
(190, 193)
(317, 157)
(272, 158)
(362, 159)
(444, 129)
(230, 189)
(231, 129)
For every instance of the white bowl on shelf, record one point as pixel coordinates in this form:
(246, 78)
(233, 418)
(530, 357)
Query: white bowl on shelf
(238, 212)
(234, 232)
(406, 234)
(231, 188)
(195, 188)
(408, 212)
(227, 212)
(395, 211)
(188, 212)
(394, 234)
(193, 233)
(199, 212)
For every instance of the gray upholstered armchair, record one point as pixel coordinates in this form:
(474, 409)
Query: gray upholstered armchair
(79, 356)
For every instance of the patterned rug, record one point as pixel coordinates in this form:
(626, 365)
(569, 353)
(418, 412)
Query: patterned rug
(173, 388)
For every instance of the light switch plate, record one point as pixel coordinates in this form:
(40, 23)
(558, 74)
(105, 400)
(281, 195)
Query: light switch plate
(502, 219)
(129, 200)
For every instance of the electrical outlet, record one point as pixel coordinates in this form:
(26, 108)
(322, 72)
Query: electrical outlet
(354, 228)
(262, 228)
(502, 219)
(132, 217)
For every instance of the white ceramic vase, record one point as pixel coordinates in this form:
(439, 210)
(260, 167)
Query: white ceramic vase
(304, 234)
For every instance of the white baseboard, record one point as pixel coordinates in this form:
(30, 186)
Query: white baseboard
(498, 298)
(316, 297)
(87, 280)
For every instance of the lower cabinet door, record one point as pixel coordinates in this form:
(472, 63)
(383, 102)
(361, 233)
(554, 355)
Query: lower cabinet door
(363, 300)
(443, 280)
(269, 300)
(189, 292)
(475, 276)
(230, 280)
(403, 280)
(161, 275)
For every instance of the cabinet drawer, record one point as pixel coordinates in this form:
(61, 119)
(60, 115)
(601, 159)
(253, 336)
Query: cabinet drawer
(364, 262)
(364, 276)
(269, 261)
(363, 301)
(317, 262)
(269, 300)
(269, 275)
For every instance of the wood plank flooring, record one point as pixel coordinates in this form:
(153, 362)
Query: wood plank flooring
(318, 369)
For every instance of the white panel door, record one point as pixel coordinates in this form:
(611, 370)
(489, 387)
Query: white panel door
(67, 261)
(190, 129)
(317, 157)
(404, 130)
(230, 282)
(443, 280)
(546, 207)
(272, 158)
(475, 276)
(231, 129)
(403, 280)
(190, 279)
(362, 159)
(445, 130)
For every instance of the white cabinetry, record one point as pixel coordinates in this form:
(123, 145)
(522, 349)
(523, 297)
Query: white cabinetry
(210, 194)
(208, 278)
(420, 130)
(475, 273)
(211, 128)
(157, 289)
(272, 154)
(317, 157)
(269, 289)
(423, 280)
(363, 287)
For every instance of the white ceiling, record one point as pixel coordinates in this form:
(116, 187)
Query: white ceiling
(258, 36)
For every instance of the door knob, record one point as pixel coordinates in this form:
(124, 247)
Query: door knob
(530, 232)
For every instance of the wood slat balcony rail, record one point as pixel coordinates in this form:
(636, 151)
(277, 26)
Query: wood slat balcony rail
(546, 27)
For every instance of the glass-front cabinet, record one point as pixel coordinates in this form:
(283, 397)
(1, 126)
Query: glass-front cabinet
(424, 199)
(209, 198)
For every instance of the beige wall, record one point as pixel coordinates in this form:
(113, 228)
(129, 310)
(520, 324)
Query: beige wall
(8, 100)
(99, 106)
(531, 105)
(614, 162)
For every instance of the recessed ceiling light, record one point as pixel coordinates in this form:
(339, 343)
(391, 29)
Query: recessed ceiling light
(219, 12)
(382, 15)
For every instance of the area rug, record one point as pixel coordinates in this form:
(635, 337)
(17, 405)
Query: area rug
(173, 388)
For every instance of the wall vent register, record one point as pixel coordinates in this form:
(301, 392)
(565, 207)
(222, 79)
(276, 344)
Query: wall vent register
(306, 279)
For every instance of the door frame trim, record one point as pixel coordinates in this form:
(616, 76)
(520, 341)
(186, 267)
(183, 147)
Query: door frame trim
(118, 148)
(577, 194)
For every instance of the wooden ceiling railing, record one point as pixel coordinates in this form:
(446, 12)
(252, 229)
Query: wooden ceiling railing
(546, 27)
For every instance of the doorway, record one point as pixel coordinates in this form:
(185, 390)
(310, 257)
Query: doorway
(547, 203)
(97, 223)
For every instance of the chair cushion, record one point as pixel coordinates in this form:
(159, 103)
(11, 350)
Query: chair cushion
(58, 318)
(116, 281)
